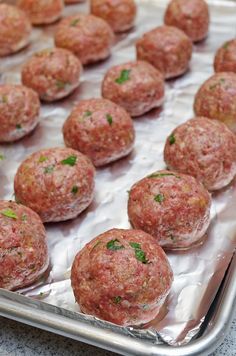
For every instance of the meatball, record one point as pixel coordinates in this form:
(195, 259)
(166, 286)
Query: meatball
(19, 112)
(15, 29)
(42, 12)
(216, 99)
(52, 73)
(100, 129)
(172, 207)
(87, 36)
(190, 16)
(225, 58)
(137, 86)
(122, 276)
(23, 248)
(57, 183)
(120, 14)
(205, 149)
(166, 48)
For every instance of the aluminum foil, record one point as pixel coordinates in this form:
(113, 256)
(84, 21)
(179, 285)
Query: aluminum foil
(197, 272)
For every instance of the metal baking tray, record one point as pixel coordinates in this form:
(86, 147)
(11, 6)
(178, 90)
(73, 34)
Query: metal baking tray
(61, 316)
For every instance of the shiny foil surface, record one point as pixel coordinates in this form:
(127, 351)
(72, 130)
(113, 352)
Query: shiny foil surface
(197, 272)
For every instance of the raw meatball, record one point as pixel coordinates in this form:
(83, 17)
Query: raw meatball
(122, 276)
(100, 129)
(52, 73)
(172, 207)
(216, 99)
(225, 58)
(190, 16)
(57, 183)
(120, 14)
(23, 248)
(42, 12)
(137, 86)
(19, 112)
(15, 29)
(87, 36)
(167, 48)
(205, 149)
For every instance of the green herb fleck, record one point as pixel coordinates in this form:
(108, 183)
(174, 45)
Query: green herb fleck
(49, 169)
(141, 256)
(42, 159)
(135, 245)
(222, 80)
(226, 45)
(98, 243)
(60, 84)
(159, 198)
(124, 76)
(18, 126)
(4, 99)
(117, 299)
(172, 237)
(70, 161)
(109, 119)
(114, 245)
(9, 213)
(74, 22)
(2, 157)
(24, 217)
(74, 189)
(19, 253)
(160, 175)
(172, 139)
(87, 113)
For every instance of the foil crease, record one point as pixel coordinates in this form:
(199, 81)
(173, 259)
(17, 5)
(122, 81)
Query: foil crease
(197, 272)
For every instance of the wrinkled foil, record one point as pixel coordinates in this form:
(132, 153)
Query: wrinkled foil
(197, 272)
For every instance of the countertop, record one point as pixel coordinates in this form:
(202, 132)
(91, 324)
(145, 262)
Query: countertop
(17, 339)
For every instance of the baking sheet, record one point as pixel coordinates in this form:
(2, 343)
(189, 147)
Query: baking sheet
(198, 272)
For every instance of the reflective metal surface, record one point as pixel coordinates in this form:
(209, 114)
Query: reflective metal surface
(198, 272)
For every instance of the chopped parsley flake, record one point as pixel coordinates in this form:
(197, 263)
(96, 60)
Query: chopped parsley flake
(4, 99)
(87, 113)
(42, 159)
(117, 299)
(159, 198)
(70, 161)
(18, 126)
(2, 157)
(226, 45)
(109, 119)
(60, 84)
(160, 175)
(24, 217)
(74, 189)
(124, 76)
(98, 243)
(9, 213)
(74, 22)
(49, 169)
(135, 245)
(172, 139)
(222, 80)
(114, 245)
(139, 253)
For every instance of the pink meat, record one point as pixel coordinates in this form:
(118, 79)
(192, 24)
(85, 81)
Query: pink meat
(120, 14)
(126, 285)
(190, 16)
(167, 48)
(216, 99)
(142, 90)
(23, 247)
(57, 183)
(225, 58)
(100, 129)
(52, 73)
(19, 112)
(89, 37)
(41, 12)
(205, 149)
(172, 207)
(15, 29)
